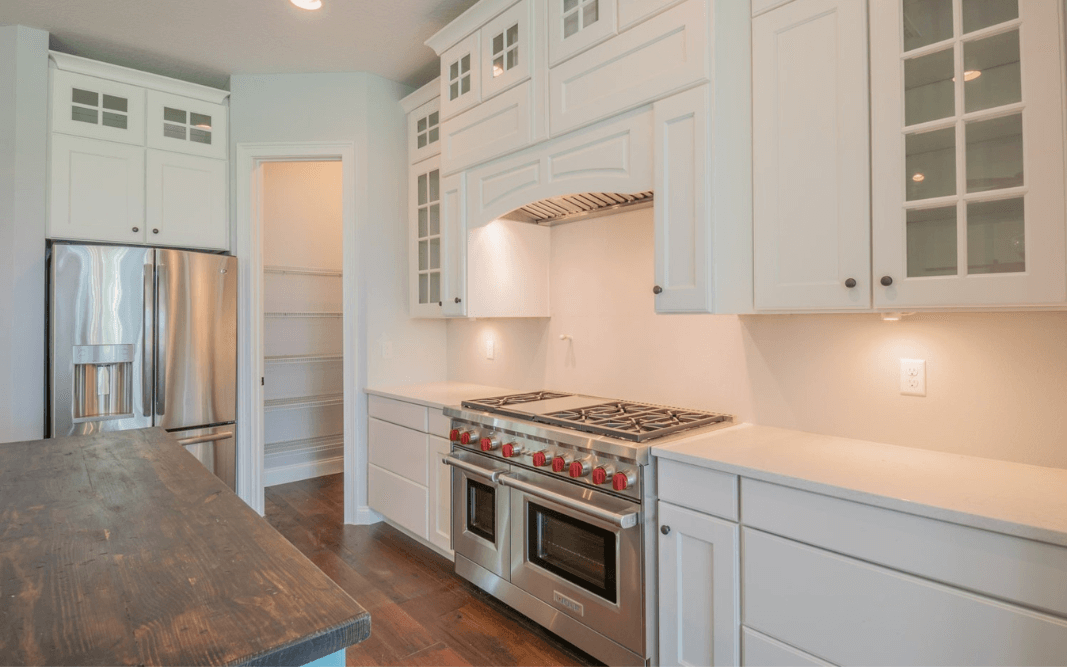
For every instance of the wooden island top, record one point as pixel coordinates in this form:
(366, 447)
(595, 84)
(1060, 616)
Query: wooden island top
(121, 549)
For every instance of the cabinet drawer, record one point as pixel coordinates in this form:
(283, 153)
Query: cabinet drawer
(763, 651)
(398, 412)
(397, 499)
(440, 425)
(399, 450)
(664, 54)
(850, 612)
(1011, 568)
(701, 489)
(492, 128)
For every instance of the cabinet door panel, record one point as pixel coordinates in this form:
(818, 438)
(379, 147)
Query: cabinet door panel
(399, 450)
(699, 607)
(493, 128)
(426, 238)
(683, 222)
(507, 50)
(185, 125)
(97, 191)
(632, 12)
(811, 165)
(461, 80)
(576, 25)
(397, 499)
(97, 108)
(186, 201)
(454, 257)
(440, 494)
(424, 131)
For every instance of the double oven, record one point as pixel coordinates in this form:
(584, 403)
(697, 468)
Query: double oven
(569, 556)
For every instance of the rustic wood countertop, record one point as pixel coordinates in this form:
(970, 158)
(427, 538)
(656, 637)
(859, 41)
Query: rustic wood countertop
(121, 549)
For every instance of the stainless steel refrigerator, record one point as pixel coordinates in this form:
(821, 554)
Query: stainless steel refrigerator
(145, 337)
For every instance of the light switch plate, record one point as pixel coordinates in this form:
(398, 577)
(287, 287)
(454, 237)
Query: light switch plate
(913, 377)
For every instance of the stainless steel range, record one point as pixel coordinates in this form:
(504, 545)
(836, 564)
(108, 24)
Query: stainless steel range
(554, 511)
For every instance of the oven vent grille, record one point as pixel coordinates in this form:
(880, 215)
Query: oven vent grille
(557, 210)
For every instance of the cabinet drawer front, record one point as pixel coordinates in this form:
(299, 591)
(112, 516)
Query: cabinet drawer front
(850, 612)
(493, 128)
(763, 651)
(91, 107)
(184, 125)
(397, 499)
(704, 490)
(398, 412)
(440, 425)
(660, 56)
(399, 450)
(1011, 568)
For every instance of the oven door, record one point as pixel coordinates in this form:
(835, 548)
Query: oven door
(481, 511)
(580, 551)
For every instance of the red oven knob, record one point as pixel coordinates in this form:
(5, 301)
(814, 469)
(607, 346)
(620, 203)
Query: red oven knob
(602, 474)
(540, 460)
(513, 449)
(454, 435)
(465, 438)
(559, 464)
(488, 444)
(579, 469)
(621, 481)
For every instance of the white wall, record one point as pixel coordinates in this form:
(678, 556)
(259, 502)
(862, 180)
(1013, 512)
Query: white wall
(997, 382)
(364, 109)
(23, 155)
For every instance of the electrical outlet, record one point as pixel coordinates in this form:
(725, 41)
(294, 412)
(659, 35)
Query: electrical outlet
(490, 349)
(913, 377)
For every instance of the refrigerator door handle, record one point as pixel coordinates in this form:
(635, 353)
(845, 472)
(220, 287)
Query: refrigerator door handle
(148, 355)
(162, 294)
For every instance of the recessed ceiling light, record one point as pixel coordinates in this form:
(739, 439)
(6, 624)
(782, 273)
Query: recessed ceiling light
(918, 178)
(307, 4)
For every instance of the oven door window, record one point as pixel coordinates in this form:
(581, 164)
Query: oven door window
(570, 548)
(481, 510)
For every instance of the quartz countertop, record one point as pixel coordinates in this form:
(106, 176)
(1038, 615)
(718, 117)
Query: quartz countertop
(440, 394)
(1012, 498)
(122, 549)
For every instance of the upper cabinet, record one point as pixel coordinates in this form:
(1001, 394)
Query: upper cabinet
(968, 158)
(136, 158)
(461, 82)
(507, 48)
(576, 25)
(423, 108)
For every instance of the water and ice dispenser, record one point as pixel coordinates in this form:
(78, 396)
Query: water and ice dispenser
(103, 382)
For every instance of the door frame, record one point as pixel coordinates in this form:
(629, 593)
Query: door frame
(248, 244)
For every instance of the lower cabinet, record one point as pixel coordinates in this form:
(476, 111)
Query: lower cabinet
(699, 612)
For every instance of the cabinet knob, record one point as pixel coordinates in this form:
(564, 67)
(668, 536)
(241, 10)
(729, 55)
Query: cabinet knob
(155, 231)
(458, 300)
(136, 229)
(440, 303)
(665, 530)
(887, 281)
(850, 283)
(657, 290)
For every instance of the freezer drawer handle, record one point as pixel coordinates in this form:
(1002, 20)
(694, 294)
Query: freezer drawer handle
(628, 520)
(491, 475)
(213, 437)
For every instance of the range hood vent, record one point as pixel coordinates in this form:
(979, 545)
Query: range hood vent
(558, 210)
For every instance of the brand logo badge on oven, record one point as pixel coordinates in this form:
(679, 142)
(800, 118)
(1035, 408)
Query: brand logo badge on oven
(564, 601)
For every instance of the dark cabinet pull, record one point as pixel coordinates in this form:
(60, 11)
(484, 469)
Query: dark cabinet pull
(458, 300)
(440, 303)
(850, 283)
(665, 530)
(155, 231)
(136, 229)
(657, 290)
(887, 281)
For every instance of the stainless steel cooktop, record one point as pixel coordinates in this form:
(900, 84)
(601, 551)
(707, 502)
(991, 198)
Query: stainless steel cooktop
(626, 420)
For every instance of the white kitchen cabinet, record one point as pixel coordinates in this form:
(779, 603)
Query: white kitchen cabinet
(967, 120)
(662, 55)
(699, 603)
(426, 238)
(185, 125)
(811, 164)
(576, 25)
(440, 493)
(424, 130)
(493, 128)
(454, 245)
(97, 190)
(461, 81)
(89, 106)
(507, 49)
(186, 200)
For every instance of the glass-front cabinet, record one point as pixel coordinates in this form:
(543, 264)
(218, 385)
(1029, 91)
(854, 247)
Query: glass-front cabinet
(425, 207)
(968, 158)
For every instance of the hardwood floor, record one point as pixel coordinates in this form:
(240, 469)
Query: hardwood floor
(421, 612)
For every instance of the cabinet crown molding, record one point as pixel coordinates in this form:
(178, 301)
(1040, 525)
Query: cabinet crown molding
(466, 23)
(430, 91)
(69, 63)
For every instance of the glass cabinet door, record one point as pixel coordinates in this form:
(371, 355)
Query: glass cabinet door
(424, 131)
(426, 237)
(967, 123)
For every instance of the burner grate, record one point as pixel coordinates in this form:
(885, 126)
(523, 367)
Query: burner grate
(516, 399)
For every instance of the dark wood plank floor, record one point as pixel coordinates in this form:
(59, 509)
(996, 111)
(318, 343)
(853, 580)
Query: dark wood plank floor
(421, 612)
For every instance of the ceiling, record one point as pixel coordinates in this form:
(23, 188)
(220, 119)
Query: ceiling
(205, 41)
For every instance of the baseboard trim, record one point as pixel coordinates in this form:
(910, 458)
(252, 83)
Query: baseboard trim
(301, 471)
(365, 516)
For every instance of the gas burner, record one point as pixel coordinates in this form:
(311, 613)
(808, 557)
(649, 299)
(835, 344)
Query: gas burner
(515, 399)
(631, 421)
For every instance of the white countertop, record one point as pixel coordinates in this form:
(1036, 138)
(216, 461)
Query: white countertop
(1013, 498)
(440, 394)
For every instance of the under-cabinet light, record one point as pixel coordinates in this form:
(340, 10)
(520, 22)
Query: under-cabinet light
(892, 317)
(307, 4)
(918, 178)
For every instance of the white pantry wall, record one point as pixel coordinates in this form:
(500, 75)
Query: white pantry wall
(996, 382)
(23, 165)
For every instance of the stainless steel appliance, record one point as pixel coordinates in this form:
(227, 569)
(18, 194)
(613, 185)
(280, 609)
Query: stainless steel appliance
(554, 512)
(145, 337)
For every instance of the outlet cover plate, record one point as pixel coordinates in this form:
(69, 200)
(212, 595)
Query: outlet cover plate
(913, 377)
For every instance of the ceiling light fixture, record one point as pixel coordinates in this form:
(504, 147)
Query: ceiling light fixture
(307, 4)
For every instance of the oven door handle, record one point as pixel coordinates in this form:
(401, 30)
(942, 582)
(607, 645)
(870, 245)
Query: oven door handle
(491, 475)
(628, 520)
